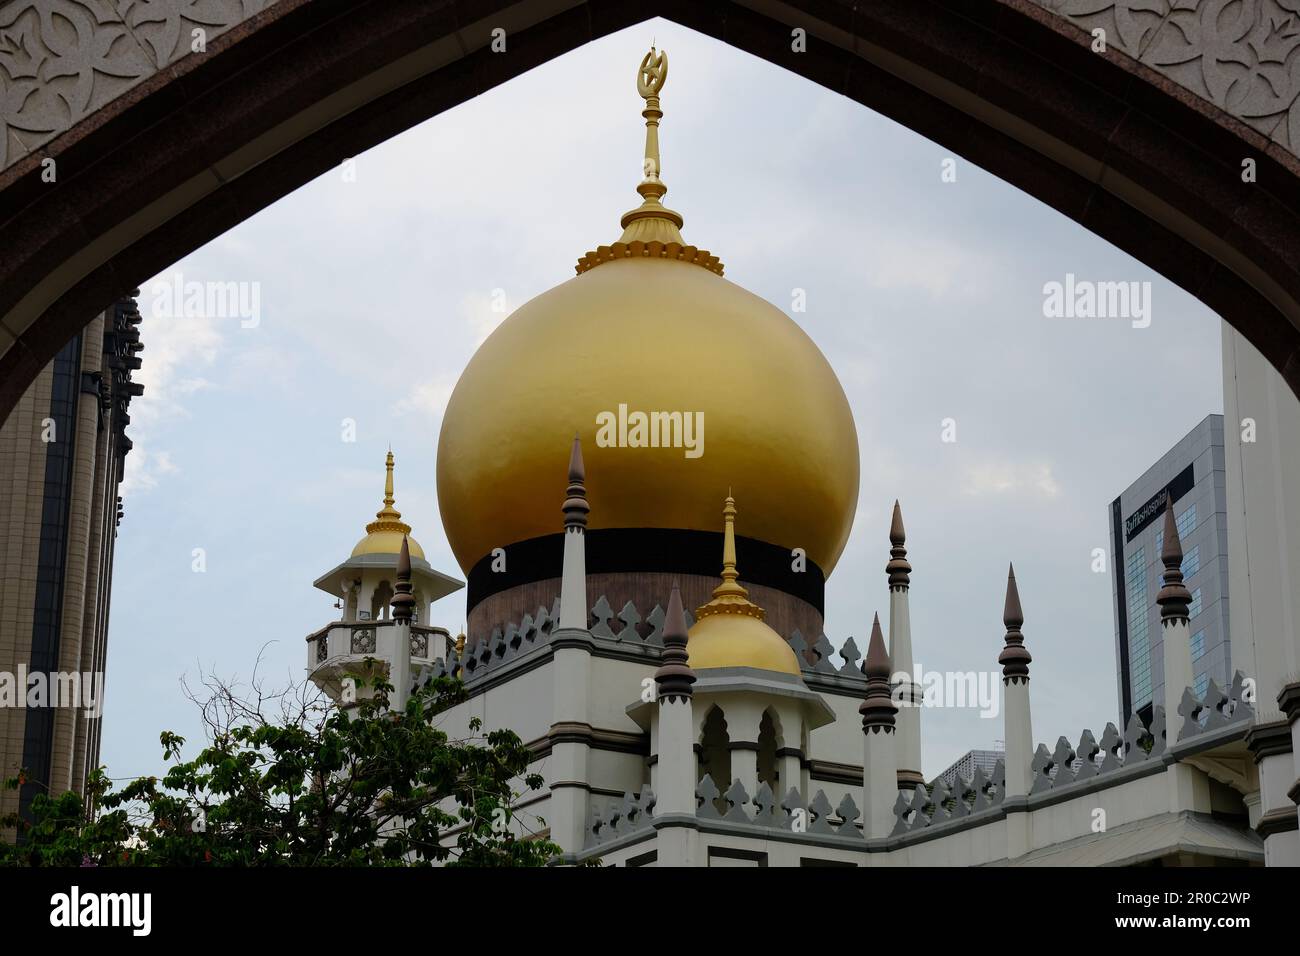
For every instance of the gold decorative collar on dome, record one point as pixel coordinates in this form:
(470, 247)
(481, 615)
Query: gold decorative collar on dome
(730, 597)
(651, 230)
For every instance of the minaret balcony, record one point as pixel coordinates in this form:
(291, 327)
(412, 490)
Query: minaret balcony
(340, 650)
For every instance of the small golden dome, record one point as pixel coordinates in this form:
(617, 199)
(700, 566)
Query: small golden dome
(729, 631)
(384, 534)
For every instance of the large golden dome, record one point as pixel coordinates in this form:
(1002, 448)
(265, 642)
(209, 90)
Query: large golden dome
(649, 325)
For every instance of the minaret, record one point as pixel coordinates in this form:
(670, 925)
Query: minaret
(573, 583)
(1174, 599)
(403, 602)
(1187, 790)
(1019, 731)
(567, 768)
(879, 741)
(385, 586)
(675, 741)
(906, 687)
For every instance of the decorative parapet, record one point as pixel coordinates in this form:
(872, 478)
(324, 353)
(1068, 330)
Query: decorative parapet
(341, 640)
(791, 814)
(1217, 709)
(1068, 764)
(815, 661)
(628, 631)
(963, 798)
(625, 632)
(633, 815)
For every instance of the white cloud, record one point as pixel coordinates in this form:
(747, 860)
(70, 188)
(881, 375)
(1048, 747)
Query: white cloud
(483, 314)
(1007, 477)
(176, 352)
(143, 469)
(426, 398)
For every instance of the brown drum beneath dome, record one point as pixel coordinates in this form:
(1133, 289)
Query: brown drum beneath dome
(640, 565)
(785, 612)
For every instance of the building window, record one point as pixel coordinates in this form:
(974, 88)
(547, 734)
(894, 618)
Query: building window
(726, 856)
(1192, 562)
(1194, 608)
(1202, 685)
(1198, 645)
(1139, 611)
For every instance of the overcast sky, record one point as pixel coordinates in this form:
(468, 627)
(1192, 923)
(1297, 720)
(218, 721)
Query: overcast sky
(925, 296)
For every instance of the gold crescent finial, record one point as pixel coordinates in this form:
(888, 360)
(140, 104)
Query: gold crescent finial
(654, 70)
(651, 219)
(651, 225)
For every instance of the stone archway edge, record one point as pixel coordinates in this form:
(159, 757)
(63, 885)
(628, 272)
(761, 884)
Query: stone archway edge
(1135, 144)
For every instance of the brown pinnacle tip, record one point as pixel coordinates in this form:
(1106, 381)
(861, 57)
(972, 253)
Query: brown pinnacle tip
(577, 473)
(1012, 615)
(877, 661)
(1015, 658)
(1174, 598)
(404, 559)
(674, 677)
(896, 533)
(575, 503)
(1172, 548)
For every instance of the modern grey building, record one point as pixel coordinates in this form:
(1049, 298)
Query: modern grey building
(965, 765)
(1192, 475)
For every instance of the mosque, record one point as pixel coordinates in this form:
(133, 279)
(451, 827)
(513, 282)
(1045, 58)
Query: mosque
(645, 609)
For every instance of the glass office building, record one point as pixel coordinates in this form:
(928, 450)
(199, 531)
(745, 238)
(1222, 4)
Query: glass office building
(1191, 476)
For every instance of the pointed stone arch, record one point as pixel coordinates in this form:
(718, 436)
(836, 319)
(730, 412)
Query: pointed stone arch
(1148, 158)
(770, 740)
(715, 750)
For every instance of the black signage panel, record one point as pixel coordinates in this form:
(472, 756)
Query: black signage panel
(1155, 507)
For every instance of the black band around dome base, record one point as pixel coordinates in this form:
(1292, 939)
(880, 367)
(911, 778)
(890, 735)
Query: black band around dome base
(618, 550)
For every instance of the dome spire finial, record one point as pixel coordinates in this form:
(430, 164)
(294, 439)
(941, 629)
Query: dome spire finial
(388, 518)
(730, 597)
(651, 229)
(651, 220)
(388, 510)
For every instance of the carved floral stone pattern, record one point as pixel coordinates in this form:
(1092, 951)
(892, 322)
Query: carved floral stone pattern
(363, 640)
(1240, 55)
(60, 60)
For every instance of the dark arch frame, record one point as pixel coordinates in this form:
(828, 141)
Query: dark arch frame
(295, 90)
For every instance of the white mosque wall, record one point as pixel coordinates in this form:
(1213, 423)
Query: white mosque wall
(615, 685)
(1051, 822)
(1261, 432)
(841, 741)
(522, 704)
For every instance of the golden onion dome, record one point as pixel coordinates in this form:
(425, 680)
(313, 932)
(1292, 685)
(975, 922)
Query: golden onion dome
(729, 631)
(649, 327)
(384, 534)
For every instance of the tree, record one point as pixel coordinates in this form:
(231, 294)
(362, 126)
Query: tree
(310, 786)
